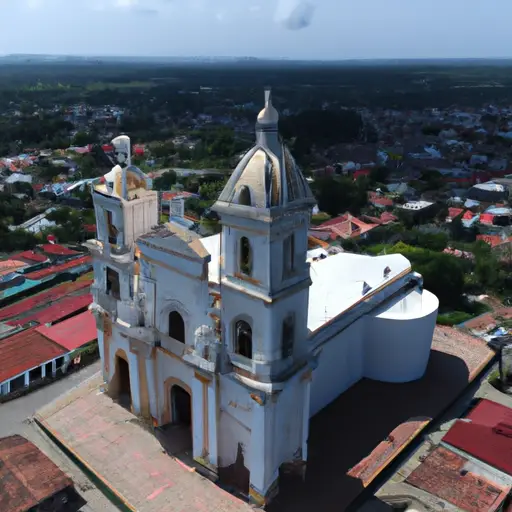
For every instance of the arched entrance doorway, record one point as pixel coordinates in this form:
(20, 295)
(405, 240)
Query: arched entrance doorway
(176, 434)
(119, 387)
(181, 406)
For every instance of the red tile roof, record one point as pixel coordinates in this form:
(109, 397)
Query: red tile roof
(468, 215)
(61, 309)
(454, 212)
(367, 469)
(46, 297)
(375, 198)
(487, 436)
(56, 249)
(441, 474)
(57, 269)
(32, 256)
(73, 332)
(346, 226)
(493, 240)
(25, 350)
(6, 267)
(385, 218)
(486, 218)
(28, 475)
(361, 172)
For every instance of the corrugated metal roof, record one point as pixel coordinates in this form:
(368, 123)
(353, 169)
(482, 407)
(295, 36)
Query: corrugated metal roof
(56, 249)
(448, 476)
(30, 256)
(46, 297)
(28, 476)
(488, 436)
(57, 269)
(27, 284)
(73, 332)
(25, 350)
(61, 309)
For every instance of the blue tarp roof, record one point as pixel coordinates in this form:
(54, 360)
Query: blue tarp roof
(29, 283)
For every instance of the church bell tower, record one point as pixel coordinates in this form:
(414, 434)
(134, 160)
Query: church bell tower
(264, 211)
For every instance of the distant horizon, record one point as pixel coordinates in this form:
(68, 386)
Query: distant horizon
(248, 57)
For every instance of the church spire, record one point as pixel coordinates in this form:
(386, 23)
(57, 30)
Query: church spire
(267, 123)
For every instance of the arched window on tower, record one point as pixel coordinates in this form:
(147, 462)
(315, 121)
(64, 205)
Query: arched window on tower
(245, 256)
(244, 196)
(289, 255)
(243, 339)
(288, 336)
(176, 326)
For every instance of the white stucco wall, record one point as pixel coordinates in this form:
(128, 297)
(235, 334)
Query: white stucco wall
(340, 365)
(398, 341)
(175, 291)
(390, 344)
(235, 420)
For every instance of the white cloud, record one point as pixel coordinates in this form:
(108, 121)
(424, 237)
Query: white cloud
(255, 8)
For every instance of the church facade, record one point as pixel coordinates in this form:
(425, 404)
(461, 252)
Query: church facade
(236, 337)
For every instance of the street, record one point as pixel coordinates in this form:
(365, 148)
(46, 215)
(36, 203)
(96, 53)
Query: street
(13, 413)
(15, 419)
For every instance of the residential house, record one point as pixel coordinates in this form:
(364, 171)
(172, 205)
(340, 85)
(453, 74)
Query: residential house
(344, 226)
(489, 192)
(379, 200)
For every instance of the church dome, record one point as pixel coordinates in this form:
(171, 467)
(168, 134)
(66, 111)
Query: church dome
(267, 177)
(268, 116)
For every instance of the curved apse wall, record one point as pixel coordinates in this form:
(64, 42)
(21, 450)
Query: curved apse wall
(398, 339)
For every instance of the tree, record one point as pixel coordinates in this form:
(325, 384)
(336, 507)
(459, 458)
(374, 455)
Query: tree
(337, 195)
(163, 150)
(88, 167)
(457, 231)
(165, 181)
(82, 139)
(443, 274)
(486, 264)
(210, 191)
(379, 174)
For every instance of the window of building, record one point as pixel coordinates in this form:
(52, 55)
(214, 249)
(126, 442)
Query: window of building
(288, 337)
(245, 256)
(244, 196)
(289, 255)
(113, 286)
(176, 326)
(243, 339)
(112, 230)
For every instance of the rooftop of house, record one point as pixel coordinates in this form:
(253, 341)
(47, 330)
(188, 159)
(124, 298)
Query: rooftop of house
(26, 307)
(26, 350)
(485, 434)
(345, 226)
(459, 481)
(29, 476)
(72, 333)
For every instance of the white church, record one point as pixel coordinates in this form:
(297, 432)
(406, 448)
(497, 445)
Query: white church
(235, 339)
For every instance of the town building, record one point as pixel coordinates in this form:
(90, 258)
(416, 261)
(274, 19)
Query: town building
(236, 337)
(31, 481)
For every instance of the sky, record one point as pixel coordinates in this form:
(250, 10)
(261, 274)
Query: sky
(294, 29)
